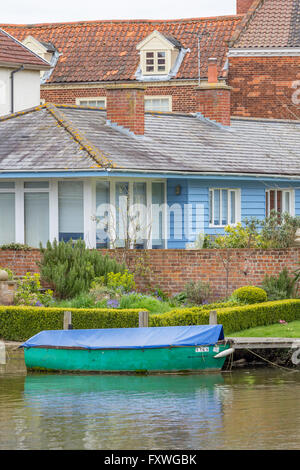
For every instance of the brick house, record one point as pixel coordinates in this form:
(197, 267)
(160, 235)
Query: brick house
(257, 52)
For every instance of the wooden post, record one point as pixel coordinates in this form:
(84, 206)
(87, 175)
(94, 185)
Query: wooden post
(2, 353)
(67, 320)
(143, 319)
(213, 317)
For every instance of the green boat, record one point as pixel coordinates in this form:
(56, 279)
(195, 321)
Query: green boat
(129, 350)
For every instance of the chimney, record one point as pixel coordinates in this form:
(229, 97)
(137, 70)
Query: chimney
(214, 97)
(125, 107)
(242, 6)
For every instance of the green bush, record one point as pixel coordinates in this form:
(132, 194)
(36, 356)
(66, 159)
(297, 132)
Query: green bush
(250, 295)
(233, 319)
(120, 281)
(71, 267)
(20, 323)
(29, 292)
(280, 287)
(197, 292)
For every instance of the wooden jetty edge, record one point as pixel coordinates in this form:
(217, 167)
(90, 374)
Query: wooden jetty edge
(264, 343)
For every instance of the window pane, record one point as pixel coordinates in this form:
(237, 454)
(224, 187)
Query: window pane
(157, 104)
(149, 54)
(7, 185)
(211, 207)
(7, 218)
(233, 207)
(122, 206)
(161, 54)
(36, 213)
(287, 202)
(279, 201)
(138, 214)
(102, 214)
(158, 198)
(224, 207)
(217, 207)
(272, 201)
(36, 184)
(70, 203)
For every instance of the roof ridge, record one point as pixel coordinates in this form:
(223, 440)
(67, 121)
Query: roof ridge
(245, 21)
(85, 144)
(90, 22)
(21, 113)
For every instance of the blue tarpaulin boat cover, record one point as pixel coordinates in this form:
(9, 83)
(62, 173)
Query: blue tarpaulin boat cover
(128, 338)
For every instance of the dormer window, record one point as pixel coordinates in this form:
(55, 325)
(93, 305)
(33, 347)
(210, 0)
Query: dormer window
(159, 56)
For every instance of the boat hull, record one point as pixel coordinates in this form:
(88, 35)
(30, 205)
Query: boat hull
(150, 360)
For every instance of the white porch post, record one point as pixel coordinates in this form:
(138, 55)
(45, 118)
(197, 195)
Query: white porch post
(53, 211)
(19, 213)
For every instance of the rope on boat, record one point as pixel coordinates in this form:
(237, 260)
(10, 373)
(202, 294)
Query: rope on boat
(273, 363)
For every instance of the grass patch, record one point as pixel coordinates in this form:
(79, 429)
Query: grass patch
(286, 330)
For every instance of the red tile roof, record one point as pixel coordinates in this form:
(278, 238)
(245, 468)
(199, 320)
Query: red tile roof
(269, 23)
(14, 53)
(95, 51)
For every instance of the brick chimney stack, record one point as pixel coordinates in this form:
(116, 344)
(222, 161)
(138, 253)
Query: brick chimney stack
(125, 107)
(214, 97)
(242, 6)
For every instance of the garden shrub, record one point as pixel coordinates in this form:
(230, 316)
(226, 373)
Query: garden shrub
(233, 319)
(280, 287)
(71, 267)
(10, 273)
(121, 281)
(250, 295)
(197, 292)
(29, 292)
(20, 323)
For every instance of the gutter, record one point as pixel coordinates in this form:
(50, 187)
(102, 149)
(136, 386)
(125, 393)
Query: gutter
(12, 87)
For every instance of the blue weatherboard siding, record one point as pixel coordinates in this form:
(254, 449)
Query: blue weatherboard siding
(197, 192)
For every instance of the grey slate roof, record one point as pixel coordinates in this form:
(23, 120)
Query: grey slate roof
(68, 137)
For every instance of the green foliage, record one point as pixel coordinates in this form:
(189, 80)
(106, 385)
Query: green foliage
(29, 292)
(123, 282)
(71, 267)
(277, 231)
(238, 236)
(20, 323)
(16, 247)
(250, 295)
(233, 319)
(280, 287)
(197, 292)
(144, 302)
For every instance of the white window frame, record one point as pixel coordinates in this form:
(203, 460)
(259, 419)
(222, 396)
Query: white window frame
(91, 98)
(155, 52)
(9, 191)
(284, 191)
(159, 97)
(237, 207)
(131, 181)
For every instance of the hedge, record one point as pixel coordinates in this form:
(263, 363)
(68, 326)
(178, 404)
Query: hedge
(20, 323)
(233, 319)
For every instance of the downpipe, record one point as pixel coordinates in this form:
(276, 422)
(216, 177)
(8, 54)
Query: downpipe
(12, 87)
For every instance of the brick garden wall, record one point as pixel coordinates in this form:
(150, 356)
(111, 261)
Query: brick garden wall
(262, 86)
(172, 269)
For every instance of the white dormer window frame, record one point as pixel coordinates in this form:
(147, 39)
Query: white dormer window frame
(157, 54)
(90, 100)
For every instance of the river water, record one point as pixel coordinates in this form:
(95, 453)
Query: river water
(242, 409)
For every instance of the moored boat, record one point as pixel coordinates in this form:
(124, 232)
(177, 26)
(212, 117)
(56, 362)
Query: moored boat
(129, 350)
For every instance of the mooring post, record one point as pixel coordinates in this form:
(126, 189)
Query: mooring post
(143, 319)
(213, 317)
(68, 321)
(2, 353)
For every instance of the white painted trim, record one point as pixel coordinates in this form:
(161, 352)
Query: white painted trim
(89, 227)
(265, 52)
(19, 212)
(160, 97)
(53, 211)
(283, 190)
(90, 98)
(237, 191)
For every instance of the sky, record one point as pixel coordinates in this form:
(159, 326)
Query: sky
(36, 11)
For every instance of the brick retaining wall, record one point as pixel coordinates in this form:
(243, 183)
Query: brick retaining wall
(172, 269)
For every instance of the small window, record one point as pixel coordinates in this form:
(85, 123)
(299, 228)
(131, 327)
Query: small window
(95, 102)
(156, 62)
(158, 103)
(279, 200)
(223, 207)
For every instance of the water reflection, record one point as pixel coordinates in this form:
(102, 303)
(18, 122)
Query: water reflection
(242, 409)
